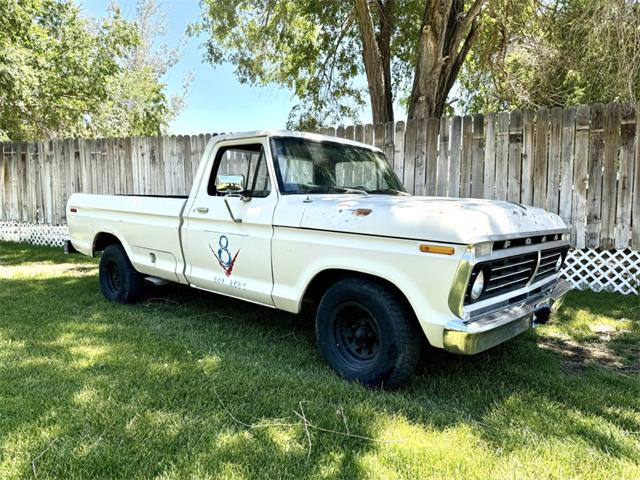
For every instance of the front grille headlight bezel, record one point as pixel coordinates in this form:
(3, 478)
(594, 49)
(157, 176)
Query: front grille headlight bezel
(477, 286)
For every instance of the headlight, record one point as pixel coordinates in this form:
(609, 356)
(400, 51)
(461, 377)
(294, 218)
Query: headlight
(477, 287)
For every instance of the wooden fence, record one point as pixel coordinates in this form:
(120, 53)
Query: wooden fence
(580, 162)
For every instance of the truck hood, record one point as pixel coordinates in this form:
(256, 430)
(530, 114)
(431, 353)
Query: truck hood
(441, 219)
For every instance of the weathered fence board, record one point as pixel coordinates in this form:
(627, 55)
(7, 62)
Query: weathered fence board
(410, 143)
(580, 177)
(596, 152)
(555, 157)
(490, 156)
(466, 156)
(625, 178)
(581, 162)
(635, 208)
(442, 176)
(502, 155)
(515, 157)
(609, 174)
(431, 162)
(453, 181)
(477, 157)
(541, 150)
(566, 165)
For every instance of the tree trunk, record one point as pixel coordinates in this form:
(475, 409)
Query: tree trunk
(446, 36)
(377, 58)
(385, 30)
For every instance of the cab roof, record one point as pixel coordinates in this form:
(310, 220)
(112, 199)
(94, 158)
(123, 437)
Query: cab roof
(292, 134)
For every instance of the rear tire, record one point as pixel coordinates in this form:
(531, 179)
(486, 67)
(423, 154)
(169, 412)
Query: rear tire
(119, 281)
(367, 333)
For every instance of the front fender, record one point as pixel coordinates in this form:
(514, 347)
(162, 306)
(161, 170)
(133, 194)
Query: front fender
(425, 279)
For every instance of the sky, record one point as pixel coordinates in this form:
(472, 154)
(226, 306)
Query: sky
(217, 102)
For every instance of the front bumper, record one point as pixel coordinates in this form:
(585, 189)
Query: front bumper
(469, 338)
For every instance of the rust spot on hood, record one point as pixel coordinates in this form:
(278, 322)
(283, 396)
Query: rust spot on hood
(362, 212)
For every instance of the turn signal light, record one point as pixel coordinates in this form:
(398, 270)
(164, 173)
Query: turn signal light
(437, 249)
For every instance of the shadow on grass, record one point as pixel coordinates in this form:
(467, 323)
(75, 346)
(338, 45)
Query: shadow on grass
(12, 254)
(162, 387)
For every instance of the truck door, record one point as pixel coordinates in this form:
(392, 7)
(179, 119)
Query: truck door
(228, 224)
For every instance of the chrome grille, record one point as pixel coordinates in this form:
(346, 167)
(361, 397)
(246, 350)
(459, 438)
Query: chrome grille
(504, 275)
(507, 274)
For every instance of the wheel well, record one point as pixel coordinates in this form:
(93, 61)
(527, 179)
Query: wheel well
(325, 279)
(103, 240)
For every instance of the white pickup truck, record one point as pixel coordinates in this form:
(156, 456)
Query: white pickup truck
(283, 218)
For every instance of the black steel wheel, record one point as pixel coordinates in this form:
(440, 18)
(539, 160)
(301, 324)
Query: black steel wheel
(119, 281)
(357, 332)
(113, 276)
(367, 333)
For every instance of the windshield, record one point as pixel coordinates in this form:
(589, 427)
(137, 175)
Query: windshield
(308, 166)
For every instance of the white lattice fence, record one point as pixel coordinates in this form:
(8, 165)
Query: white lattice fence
(604, 270)
(34, 233)
(586, 269)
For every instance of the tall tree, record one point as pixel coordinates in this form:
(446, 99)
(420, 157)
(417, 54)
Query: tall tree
(63, 75)
(409, 51)
(136, 102)
(554, 53)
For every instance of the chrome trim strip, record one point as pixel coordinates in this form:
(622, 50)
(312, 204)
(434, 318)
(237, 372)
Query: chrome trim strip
(526, 272)
(502, 285)
(472, 307)
(535, 270)
(512, 265)
(515, 251)
(511, 236)
(460, 282)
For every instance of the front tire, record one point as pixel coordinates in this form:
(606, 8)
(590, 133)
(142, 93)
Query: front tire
(367, 333)
(119, 281)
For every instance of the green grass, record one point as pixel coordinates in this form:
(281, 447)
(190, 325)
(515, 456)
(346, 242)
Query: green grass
(200, 386)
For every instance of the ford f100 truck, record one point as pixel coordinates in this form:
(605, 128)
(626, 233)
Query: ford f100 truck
(285, 219)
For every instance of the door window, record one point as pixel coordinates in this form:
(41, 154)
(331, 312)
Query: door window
(240, 169)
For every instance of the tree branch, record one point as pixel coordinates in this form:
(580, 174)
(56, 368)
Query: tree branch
(455, 65)
(466, 23)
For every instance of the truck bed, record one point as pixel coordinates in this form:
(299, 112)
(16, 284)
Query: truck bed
(149, 223)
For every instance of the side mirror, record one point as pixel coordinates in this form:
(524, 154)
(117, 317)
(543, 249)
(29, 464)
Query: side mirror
(229, 184)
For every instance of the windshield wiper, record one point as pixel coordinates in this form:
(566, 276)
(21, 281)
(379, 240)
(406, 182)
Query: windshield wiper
(391, 190)
(350, 190)
(329, 189)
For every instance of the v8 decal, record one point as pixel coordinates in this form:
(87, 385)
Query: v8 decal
(223, 255)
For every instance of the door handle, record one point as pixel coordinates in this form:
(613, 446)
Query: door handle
(201, 210)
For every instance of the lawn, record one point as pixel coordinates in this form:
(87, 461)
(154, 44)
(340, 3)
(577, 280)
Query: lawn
(187, 384)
